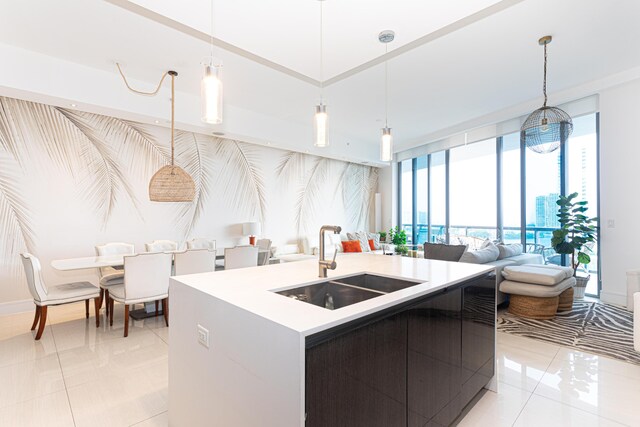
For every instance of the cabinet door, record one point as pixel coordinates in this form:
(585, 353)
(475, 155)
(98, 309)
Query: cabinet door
(434, 359)
(478, 336)
(359, 378)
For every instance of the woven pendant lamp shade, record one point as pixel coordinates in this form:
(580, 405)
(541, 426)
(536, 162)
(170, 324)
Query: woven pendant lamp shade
(547, 127)
(171, 183)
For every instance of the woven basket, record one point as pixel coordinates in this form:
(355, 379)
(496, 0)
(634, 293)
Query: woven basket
(581, 286)
(171, 184)
(565, 301)
(533, 307)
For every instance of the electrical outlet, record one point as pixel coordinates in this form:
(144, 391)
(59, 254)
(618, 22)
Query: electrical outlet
(611, 223)
(203, 336)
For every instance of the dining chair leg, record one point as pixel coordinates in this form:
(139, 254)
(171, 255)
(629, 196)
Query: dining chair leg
(110, 305)
(86, 308)
(36, 318)
(165, 310)
(98, 303)
(101, 296)
(126, 320)
(43, 321)
(156, 307)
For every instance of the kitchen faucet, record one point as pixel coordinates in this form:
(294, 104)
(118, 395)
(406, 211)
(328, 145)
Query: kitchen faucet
(323, 264)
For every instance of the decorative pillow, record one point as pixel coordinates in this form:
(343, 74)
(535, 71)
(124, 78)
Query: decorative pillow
(443, 252)
(507, 251)
(481, 256)
(376, 241)
(351, 246)
(372, 245)
(362, 237)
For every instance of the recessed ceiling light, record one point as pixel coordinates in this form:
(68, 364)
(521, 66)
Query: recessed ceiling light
(218, 133)
(73, 105)
(157, 121)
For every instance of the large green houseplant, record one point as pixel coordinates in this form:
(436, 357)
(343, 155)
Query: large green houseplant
(576, 235)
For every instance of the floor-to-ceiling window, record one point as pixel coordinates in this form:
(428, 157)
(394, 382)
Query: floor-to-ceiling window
(481, 191)
(472, 192)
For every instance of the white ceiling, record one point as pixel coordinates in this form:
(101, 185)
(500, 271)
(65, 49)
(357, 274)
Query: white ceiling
(450, 66)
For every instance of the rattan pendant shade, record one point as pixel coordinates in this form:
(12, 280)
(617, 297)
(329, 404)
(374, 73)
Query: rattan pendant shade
(171, 183)
(547, 127)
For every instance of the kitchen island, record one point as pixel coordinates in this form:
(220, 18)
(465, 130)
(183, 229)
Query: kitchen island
(242, 354)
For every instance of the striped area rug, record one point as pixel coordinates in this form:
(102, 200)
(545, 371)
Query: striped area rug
(593, 327)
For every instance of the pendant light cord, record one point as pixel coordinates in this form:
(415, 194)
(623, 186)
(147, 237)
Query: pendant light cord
(386, 87)
(139, 92)
(212, 28)
(321, 55)
(544, 81)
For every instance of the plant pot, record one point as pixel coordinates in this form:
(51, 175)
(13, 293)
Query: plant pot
(581, 286)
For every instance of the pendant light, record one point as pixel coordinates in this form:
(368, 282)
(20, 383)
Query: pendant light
(171, 183)
(320, 119)
(386, 144)
(547, 127)
(211, 87)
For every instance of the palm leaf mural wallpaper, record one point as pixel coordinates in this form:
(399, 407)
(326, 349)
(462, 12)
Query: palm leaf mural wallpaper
(70, 180)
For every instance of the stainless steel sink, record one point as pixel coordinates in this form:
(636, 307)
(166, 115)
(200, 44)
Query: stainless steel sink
(345, 291)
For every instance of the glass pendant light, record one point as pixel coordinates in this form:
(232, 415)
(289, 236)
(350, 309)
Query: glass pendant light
(211, 87)
(386, 143)
(320, 119)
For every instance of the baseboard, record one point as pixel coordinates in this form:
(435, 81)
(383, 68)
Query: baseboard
(613, 298)
(13, 307)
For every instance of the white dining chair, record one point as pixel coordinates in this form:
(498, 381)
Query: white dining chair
(194, 261)
(110, 276)
(161, 246)
(45, 296)
(200, 243)
(146, 279)
(240, 257)
(264, 246)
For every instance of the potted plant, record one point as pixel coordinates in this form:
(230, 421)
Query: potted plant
(398, 238)
(383, 236)
(576, 234)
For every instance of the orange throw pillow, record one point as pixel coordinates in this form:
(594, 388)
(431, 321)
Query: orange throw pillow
(371, 245)
(351, 246)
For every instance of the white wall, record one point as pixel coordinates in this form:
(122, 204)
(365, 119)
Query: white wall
(387, 187)
(70, 180)
(619, 201)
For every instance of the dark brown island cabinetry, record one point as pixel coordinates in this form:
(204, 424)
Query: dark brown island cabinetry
(416, 364)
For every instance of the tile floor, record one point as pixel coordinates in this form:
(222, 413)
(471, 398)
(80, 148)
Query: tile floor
(77, 375)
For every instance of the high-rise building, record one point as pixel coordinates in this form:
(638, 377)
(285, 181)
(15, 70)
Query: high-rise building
(547, 210)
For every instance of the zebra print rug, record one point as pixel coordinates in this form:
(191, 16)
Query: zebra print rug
(593, 327)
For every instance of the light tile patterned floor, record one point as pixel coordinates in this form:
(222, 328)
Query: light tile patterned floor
(78, 375)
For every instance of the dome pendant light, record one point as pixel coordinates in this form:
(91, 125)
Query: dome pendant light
(211, 87)
(547, 127)
(386, 144)
(320, 119)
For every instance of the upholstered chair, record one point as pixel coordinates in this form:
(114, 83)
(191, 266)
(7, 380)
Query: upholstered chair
(146, 279)
(45, 296)
(194, 261)
(161, 246)
(264, 245)
(240, 257)
(110, 276)
(199, 243)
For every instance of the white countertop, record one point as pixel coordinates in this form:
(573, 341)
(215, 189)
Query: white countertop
(251, 288)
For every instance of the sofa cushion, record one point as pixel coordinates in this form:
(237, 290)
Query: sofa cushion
(362, 237)
(286, 250)
(527, 259)
(548, 275)
(376, 241)
(507, 251)
(531, 290)
(482, 256)
(443, 252)
(351, 246)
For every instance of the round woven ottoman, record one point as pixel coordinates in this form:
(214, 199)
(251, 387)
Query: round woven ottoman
(565, 303)
(540, 308)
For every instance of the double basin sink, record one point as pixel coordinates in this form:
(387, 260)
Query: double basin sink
(344, 291)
